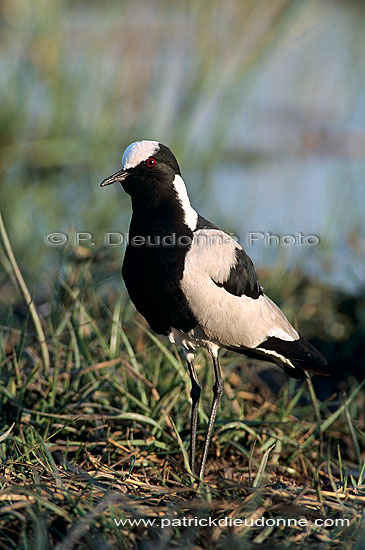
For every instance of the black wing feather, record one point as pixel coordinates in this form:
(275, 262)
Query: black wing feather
(302, 355)
(242, 277)
(299, 352)
(205, 224)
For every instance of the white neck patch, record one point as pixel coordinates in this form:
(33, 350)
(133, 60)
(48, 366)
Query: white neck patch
(138, 152)
(191, 216)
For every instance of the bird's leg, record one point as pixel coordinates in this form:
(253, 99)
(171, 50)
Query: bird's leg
(195, 396)
(217, 393)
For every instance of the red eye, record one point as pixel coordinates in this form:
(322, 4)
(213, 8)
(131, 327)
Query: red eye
(151, 162)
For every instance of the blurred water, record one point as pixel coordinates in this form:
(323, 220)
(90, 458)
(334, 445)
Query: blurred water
(292, 197)
(268, 123)
(301, 127)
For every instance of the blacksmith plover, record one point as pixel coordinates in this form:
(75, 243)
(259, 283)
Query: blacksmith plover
(195, 284)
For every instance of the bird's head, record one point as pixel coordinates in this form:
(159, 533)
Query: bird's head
(145, 163)
(151, 175)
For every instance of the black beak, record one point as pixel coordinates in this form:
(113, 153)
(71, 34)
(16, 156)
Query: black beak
(118, 176)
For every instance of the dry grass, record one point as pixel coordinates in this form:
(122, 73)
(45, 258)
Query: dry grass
(103, 436)
(70, 468)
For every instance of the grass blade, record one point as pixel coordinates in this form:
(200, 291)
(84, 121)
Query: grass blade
(26, 295)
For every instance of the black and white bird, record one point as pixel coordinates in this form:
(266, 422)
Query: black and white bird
(195, 284)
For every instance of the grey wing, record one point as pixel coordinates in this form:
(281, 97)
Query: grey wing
(242, 278)
(224, 294)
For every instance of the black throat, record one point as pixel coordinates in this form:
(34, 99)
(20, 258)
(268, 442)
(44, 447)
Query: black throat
(156, 208)
(154, 261)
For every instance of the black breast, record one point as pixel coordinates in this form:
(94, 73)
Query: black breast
(152, 270)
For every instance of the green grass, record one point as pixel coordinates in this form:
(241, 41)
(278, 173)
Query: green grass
(102, 434)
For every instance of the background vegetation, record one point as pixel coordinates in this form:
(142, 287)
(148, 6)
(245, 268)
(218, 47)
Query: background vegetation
(262, 102)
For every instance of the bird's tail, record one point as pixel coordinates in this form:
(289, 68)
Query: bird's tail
(293, 356)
